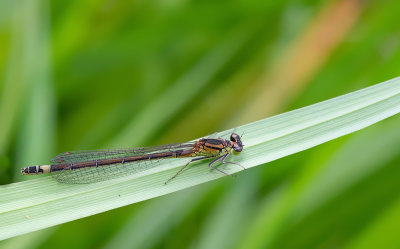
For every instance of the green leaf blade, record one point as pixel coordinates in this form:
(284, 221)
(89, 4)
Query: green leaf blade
(40, 203)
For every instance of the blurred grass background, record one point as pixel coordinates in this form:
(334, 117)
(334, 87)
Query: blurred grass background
(105, 74)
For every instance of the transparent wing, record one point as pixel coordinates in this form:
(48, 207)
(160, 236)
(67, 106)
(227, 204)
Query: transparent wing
(93, 155)
(110, 171)
(102, 173)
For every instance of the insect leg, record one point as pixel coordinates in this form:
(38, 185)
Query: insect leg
(223, 161)
(193, 160)
(216, 160)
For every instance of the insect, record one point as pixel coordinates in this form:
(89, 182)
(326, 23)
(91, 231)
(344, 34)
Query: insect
(98, 165)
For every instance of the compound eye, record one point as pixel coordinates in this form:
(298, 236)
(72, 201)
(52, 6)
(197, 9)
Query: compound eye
(237, 148)
(234, 137)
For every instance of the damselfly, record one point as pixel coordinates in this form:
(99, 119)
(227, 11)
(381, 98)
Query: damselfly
(98, 165)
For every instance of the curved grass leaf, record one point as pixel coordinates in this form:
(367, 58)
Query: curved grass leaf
(40, 203)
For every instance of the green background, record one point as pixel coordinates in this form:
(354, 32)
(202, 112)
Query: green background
(112, 74)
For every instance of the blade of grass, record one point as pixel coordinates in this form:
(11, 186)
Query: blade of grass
(40, 203)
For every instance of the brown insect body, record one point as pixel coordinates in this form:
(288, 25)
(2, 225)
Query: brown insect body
(204, 148)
